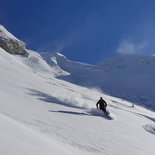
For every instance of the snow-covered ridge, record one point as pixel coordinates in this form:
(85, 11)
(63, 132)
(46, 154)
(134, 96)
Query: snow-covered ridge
(10, 43)
(37, 63)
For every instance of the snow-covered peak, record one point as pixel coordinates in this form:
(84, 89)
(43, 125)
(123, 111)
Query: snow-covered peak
(43, 64)
(63, 59)
(60, 60)
(57, 54)
(51, 58)
(58, 57)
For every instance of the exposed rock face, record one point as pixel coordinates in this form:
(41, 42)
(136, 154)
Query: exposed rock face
(11, 44)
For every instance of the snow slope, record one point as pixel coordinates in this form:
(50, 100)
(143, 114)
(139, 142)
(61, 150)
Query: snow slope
(41, 114)
(127, 76)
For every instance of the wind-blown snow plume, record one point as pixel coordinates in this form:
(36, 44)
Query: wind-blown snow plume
(131, 47)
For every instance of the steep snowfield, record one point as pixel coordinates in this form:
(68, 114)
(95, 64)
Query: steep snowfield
(40, 114)
(126, 76)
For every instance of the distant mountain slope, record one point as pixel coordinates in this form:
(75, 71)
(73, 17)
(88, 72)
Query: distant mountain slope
(127, 76)
(77, 70)
(131, 77)
(36, 62)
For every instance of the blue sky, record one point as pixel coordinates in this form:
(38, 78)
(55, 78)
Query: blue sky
(83, 30)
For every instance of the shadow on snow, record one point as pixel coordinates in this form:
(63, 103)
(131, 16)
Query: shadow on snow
(87, 113)
(69, 112)
(51, 99)
(54, 100)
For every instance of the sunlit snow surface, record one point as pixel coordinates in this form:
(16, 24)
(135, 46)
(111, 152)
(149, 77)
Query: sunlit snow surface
(42, 115)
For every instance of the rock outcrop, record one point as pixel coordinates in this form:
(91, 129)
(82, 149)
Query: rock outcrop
(11, 44)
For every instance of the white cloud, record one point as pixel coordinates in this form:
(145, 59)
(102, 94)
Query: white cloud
(130, 47)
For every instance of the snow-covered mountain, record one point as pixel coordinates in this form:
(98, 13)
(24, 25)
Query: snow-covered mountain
(41, 114)
(131, 77)
(127, 76)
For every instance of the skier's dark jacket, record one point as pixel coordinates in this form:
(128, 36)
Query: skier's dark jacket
(102, 104)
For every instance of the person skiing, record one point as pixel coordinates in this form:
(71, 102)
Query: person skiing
(102, 105)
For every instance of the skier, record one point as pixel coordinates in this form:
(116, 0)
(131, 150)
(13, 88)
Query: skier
(102, 105)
